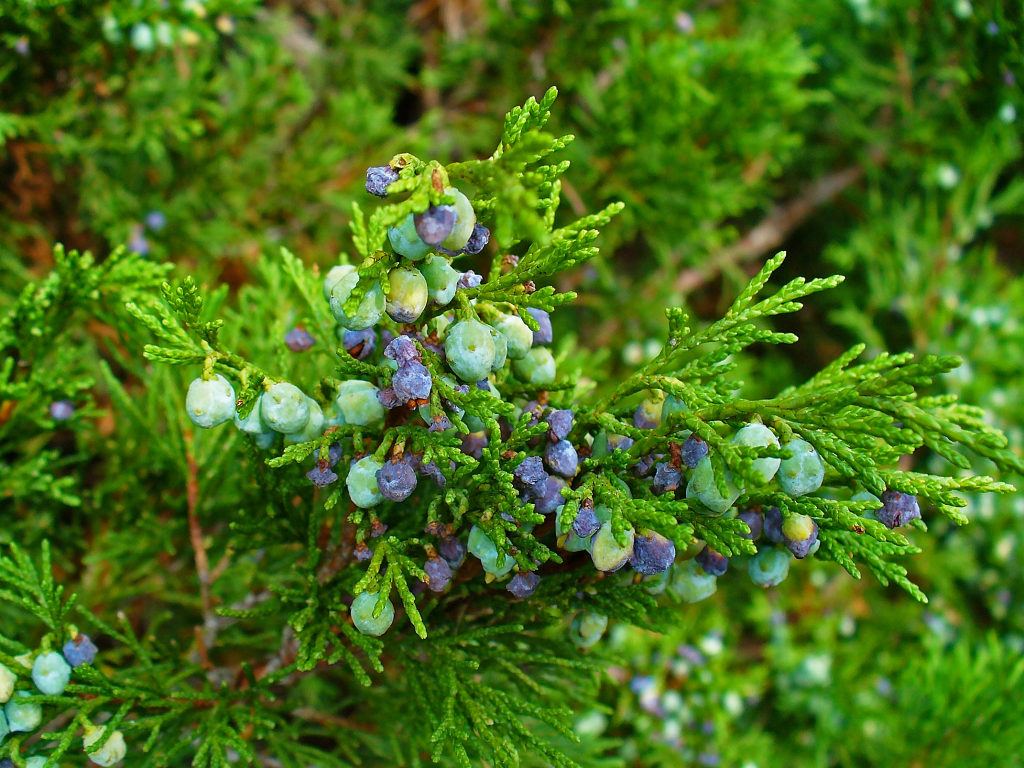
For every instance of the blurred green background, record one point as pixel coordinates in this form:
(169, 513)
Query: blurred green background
(877, 138)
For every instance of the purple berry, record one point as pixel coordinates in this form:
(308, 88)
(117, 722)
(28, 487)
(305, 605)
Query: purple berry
(562, 458)
(473, 444)
(321, 477)
(550, 497)
(643, 467)
(156, 221)
(439, 423)
(641, 420)
(712, 562)
(411, 382)
(620, 442)
(431, 471)
(439, 574)
(435, 224)
(530, 475)
(453, 550)
(559, 424)
(62, 410)
(388, 398)
(898, 509)
(79, 651)
(586, 523)
(363, 552)
(137, 242)
(754, 522)
(652, 554)
(334, 454)
(543, 335)
(477, 240)
(379, 178)
(693, 450)
(523, 584)
(666, 479)
(396, 480)
(802, 547)
(298, 340)
(402, 350)
(773, 525)
(469, 279)
(359, 344)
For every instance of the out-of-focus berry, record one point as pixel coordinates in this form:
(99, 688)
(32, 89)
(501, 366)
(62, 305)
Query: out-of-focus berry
(298, 340)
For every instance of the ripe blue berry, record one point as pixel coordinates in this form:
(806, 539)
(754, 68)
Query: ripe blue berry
(530, 476)
(523, 584)
(803, 472)
(51, 673)
(298, 340)
(517, 334)
(897, 509)
(62, 410)
(712, 562)
(334, 454)
(481, 546)
(321, 477)
(544, 334)
(801, 534)
(757, 435)
(769, 567)
(550, 497)
(406, 242)
(79, 650)
(285, 408)
(652, 554)
(362, 614)
(312, 429)
(773, 525)
(469, 279)
(371, 307)
(469, 350)
(606, 552)
(559, 424)
(562, 458)
(379, 178)
(703, 487)
(362, 482)
(358, 404)
(407, 294)
(435, 224)
(478, 239)
(439, 574)
(538, 367)
(589, 520)
(359, 344)
(210, 401)
(473, 444)
(156, 220)
(412, 382)
(442, 280)
(23, 716)
(113, 749)
(754, 521)
(396, 480)
(691, 583)
(666, 479)
(453, 550)
(693, 450)
(587, 629)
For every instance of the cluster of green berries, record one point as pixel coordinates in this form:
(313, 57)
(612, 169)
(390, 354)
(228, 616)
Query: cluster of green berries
(50, 673)
(147, 36)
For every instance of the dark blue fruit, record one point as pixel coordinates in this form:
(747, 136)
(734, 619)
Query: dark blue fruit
(549, 498)
(693, 450)
(544, 334)
(712, 562)
(298, 340)
(435, 224)
(79, 651)
(652, 554)
(559, 424)
(530, 474)
(402, 350)
(411, 381)
(666, 479)
(754, 522)
(562, 458)
(480, 237)
(523, 584)
(396, 480)
(439, 574)
(359, 344)
(321, 477)
(62, 410)
(898, 509)
(773, 525)
(453, 550)
(470, 279)
(473, 444)
(379, 178)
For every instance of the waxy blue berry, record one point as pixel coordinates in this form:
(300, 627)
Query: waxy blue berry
(523, 584)
(79, 650)
(652, 553)
(298, 340)
(379, 178)
(396, 480)
(898, 509)
(561, 458)
(62, 410)
(439, 574)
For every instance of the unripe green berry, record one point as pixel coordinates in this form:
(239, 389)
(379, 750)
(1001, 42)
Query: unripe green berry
(803, 472)
(769, 567)
(691, 583)
(469, 350)
(606, 552)
(7, 681)
(362, 614)
(702, 486)
(285, 408)
(500, 350)
(362, 483)
(406, 242)
(442, 279)
(210, 401)
(480, 545)
(113, 751)
(407, 294)
(51, 673)
(313, 428)
(538, 367)
(23, 716)
(358, 404)
(371, 306)
(757, 435)
(517, 334)
(587, 628)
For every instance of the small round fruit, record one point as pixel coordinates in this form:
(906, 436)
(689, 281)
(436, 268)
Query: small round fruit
(702, 486)
(672, 405)
(465, 220)
(769, 567)
(608, 555)
(7, 681)
(712, 562)
(694, 449)
(313, 428)
(803, 472)
(691, 583)
(406, 242)
(362, 482)
(801, 534)
(23, 716)
(371, 306)
(898, 509)
(754, 521)
(523, 584)
(362, 614)
(500, 350)
(442, 279)
(253, 423)
(333, 277)
(298, 340)
(757, 435)
(439, 574)
(516, 333)
(550, 497)
(469, 350)
(652, 554)
(412, 382)
(407, 295)
(544, 334)
(561, 458)
(379, 178)
(210, 401)
(285, 408)
(538, 367)
(435, 224)
(51, 673)
(112, 751)
(481, 546)
(358, 404)
(587, 629)
(396, 480)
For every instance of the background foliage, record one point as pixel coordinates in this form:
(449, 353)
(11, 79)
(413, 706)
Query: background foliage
(877, 138)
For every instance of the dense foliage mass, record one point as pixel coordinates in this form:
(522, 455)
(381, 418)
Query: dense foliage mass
(329, 437)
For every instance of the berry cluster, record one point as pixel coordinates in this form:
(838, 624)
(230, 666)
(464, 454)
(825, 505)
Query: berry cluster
(50, 673)
(437, 368)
